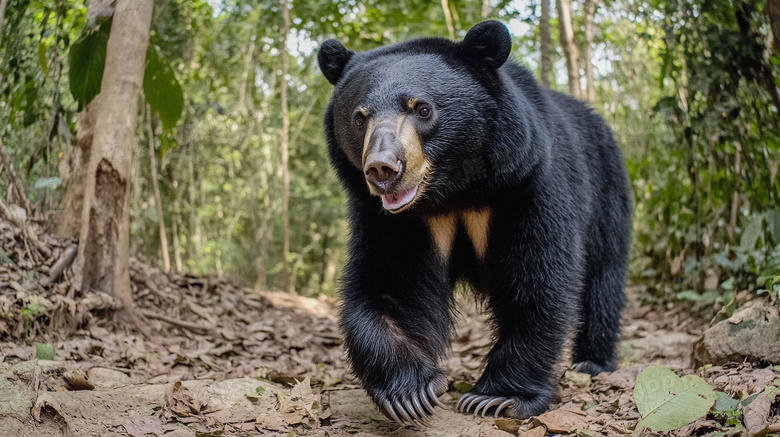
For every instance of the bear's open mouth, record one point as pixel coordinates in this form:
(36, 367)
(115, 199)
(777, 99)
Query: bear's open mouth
(395, 201)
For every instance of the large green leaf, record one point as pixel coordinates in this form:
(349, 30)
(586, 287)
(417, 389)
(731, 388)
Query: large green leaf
(668, 402)
(86, 60)
(162, 90)
(752, 232)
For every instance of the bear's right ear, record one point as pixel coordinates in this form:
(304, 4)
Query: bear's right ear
(488, 42)
(333, 57)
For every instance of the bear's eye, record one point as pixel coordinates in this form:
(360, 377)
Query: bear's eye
(423, 111)
(359, 121)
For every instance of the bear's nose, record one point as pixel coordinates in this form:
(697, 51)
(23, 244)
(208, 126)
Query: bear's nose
(382, 168)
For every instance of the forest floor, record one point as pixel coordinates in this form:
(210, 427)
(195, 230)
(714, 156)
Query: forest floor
(221, 360)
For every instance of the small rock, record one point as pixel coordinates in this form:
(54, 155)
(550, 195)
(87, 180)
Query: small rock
(751, 334)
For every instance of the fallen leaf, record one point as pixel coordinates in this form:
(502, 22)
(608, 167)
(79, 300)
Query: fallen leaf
(668, 402)
(78, 380)
(46, 400)
(270, 420)
(757, 415)
(508, 425)
(561, 421)
(539, 431)
(185, 402)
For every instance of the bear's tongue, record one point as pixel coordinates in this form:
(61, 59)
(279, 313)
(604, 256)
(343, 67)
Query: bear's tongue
(397, 200)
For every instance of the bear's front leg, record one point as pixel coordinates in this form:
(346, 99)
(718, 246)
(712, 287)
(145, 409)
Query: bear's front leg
(532, 274)
(395, 315)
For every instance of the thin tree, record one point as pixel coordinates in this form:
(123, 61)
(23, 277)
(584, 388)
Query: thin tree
(587, 49)
(448, 18)
(105, 226)
(545, 43)
(156, 190)
(485, 8)
(3, 4)
(570, 51)
(284, 139)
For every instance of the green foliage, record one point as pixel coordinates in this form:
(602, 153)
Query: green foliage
(87, 60)
(162, 90)
(44, 351)
(668, 402)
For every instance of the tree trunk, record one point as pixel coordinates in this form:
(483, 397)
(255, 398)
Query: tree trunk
(193, 240)
(156, 190)
(545, 43)
(245, 75)
(3, 4)
(287, 282)
(175, 220)
(68, 222)
(105, 225)
(485, 8)
(570, 51)
(735, 196)
(773, 12)
(587, 50)
(448, 18)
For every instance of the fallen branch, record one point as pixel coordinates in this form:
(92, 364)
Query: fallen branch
(175, 322)
(13, 181)
(65, 260)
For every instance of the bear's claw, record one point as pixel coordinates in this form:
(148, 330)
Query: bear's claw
(414, 411)
(483, 403)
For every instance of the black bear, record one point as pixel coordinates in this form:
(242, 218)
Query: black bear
(458, 166)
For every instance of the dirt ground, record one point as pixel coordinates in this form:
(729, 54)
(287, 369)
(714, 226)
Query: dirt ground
(221, 360)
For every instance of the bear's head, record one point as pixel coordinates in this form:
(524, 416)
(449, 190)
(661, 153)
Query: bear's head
(404, 118)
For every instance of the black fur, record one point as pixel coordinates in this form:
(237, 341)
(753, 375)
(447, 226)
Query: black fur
(558, 234)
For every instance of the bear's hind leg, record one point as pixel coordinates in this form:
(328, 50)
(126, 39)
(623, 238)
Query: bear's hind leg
(603, 296)
(601, 304)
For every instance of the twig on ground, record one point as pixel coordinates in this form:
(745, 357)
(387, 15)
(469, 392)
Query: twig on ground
(176, 322)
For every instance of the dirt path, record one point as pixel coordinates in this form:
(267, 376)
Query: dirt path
(271, 364)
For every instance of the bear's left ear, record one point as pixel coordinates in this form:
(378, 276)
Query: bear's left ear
(488, 42)
(333, 57)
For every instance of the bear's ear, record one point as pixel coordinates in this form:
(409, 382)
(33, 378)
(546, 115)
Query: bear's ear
(488, 42)
(333, 57)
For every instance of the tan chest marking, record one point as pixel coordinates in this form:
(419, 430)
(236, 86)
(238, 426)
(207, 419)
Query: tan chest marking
(476, 224)
(444, 227)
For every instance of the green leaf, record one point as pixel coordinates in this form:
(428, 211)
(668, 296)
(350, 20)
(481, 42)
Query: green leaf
(724, 403)
(773, 223)
(87, 59)
(728, 284)
(254, 395)
(162, 90)
(44, 351)
(4, 258)
(752, 233)
(42, 58)
(689, 295)
(462, 387)
(668, 402)
(748, 400)
(47, 183)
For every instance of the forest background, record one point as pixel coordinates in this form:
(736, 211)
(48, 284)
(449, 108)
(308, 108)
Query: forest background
(229, 172)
